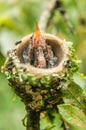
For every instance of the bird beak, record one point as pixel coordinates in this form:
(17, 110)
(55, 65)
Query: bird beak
(37, 31)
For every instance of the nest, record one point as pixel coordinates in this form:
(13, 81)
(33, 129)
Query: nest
(39, 86)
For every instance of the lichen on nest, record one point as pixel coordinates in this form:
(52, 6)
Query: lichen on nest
(35, 79)
(38, 93)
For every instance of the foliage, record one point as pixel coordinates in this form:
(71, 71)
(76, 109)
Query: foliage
(74, 117)
(17, 18)
(51, 120)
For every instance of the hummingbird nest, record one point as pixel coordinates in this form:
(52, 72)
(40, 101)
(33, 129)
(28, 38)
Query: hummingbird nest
(38, 67)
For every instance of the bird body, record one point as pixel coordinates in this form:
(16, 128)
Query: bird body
(40, 53)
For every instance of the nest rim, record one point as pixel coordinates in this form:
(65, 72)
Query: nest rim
(46, 71)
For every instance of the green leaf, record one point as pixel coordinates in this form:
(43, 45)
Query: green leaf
(73, 116)
(75, 95)
(81, 75)
(50, 120)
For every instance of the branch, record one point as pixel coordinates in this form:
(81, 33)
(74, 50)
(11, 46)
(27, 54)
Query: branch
(33, 119)
(47, 14)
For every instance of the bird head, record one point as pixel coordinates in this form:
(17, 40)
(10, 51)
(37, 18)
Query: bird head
(38, 38)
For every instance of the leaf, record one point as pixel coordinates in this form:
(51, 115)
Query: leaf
(81, 75)
(75, 95)
(73, 116)
(50, 120)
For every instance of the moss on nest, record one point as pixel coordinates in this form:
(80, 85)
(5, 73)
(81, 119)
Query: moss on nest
(39, 93)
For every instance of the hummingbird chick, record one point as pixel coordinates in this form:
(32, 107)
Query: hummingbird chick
(40, 54)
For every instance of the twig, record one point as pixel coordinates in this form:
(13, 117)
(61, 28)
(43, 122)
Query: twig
(46, 15)
(63, 12)
(33, 118)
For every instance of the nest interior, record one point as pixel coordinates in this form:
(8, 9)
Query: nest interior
(55, 43)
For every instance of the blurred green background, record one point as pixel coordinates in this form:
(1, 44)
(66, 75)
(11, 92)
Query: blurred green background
(17, 19)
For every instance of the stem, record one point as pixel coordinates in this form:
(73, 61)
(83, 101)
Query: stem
(46, 15)
(65, 126)
(33, 119)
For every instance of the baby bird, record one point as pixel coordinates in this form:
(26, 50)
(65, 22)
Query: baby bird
(40, 54)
